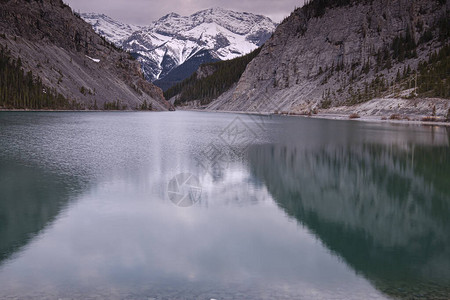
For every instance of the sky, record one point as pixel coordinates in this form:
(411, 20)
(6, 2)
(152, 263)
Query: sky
(142, 12)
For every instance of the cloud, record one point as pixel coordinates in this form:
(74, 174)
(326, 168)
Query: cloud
(145, 11)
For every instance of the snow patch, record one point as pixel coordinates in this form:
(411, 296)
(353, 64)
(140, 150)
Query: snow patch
(93, 59)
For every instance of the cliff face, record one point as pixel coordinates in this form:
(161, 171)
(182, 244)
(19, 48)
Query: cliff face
(343, 55)
(66, 53)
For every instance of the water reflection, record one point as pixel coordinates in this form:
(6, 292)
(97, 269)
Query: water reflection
(31, 198)
(374, 195)
(384, 208)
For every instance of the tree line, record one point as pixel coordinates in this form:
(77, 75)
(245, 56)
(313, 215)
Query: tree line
(208, 88)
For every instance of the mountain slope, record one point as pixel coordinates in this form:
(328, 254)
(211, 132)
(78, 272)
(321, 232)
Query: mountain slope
(65, 53)
(332, 53)
(209, 81)
(181, 72)
(172, 40)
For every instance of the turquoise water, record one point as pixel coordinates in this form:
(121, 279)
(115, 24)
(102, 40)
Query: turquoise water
(92, 205)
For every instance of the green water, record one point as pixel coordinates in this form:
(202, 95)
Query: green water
(274, 208)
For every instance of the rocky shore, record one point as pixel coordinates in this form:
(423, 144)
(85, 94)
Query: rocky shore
(429, 111)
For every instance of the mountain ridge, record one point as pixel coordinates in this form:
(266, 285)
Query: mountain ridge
(173, 39)
(104, 25)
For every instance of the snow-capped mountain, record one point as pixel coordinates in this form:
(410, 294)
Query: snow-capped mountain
(114, 31)
(171, 41)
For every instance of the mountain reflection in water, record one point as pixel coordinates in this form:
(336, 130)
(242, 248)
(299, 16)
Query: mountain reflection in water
(84, 211)
(383, 208)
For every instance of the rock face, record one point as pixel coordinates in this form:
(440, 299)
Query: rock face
(66, 53)
(173, 40)
(317, 61)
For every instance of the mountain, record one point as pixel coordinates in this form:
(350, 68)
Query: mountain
(181, 72)
(354, 53)
(53, 48)
(174, 40)
(114, 31)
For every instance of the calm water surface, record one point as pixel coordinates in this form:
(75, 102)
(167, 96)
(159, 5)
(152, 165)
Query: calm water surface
(283, 208)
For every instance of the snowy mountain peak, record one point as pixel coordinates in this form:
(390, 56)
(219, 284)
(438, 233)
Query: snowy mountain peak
(169, 16)
(174, 40)
(111, 29)
(236, 22)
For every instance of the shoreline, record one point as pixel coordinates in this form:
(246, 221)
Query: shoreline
(46, 110)
(343, 116)
(334, 116)
(79, 110)
(377, 119)
(393, 110)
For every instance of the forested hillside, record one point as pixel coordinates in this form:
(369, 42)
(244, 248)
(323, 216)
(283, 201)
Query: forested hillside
(434, 75)
(25, 91)
(221, 76)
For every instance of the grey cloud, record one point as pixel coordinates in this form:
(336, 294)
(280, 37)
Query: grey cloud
(145, 11)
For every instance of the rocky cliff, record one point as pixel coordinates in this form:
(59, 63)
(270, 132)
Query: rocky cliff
(67, 55)
(333, 53)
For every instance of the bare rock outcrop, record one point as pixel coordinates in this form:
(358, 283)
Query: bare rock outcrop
(337, 57)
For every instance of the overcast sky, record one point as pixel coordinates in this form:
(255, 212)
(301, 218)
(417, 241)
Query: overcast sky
(143, 12)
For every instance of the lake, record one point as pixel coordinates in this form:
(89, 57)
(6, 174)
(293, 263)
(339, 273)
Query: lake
(192, 205)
